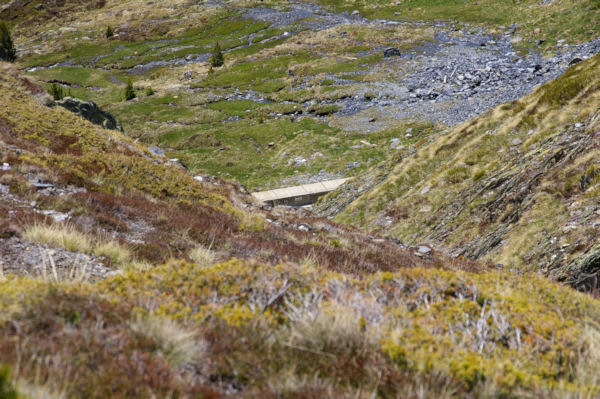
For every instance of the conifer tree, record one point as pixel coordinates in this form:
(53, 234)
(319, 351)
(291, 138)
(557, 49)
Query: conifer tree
(109, 32)
(216, 60)
(7, 47)
(129, 91)
(57, 92)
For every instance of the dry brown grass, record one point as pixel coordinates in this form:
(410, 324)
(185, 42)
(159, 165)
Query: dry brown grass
(203, 256)
(176, 344)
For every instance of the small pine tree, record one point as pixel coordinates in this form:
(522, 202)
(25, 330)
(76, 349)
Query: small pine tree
(7, 47)
(129, 91)
(216, 59)
(57, 92)
(109, 32)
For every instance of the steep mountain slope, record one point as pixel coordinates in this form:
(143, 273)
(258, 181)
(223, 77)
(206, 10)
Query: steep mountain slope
(517, 185)
(138, 280)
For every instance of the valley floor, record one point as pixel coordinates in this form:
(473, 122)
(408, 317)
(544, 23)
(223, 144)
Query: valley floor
(328, 89)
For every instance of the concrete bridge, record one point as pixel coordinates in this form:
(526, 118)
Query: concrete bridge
(298, 195)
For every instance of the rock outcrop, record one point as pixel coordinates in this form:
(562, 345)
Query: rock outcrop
(391, 52)
(90, 111)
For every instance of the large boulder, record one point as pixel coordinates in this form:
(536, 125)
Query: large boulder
(90, 111)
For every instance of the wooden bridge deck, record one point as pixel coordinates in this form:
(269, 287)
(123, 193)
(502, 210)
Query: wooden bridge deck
(298, 195)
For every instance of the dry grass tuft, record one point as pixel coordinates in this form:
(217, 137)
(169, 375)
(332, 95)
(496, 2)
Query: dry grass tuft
(586, 371)
(114, 251)
(66, 236)
(176, 344)
(202, 256)
(58, 235)
(50, 273)
(331, 332)
(38, 391)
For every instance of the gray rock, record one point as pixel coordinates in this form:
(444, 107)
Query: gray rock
(517, 142)
(424, 250)
(90, 111)
(40, 185)
(395, 143)
(304, 227)
(156, 151)
(189, 75)
(516, 39)
(177, 162)
(391, 52)
(299, 161)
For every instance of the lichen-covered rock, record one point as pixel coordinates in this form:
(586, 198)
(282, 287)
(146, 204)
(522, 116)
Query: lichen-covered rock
(90, 111)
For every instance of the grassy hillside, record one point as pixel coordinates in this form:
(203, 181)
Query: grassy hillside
(235, 121)
(516, 186)
(209, 295)
(117, 192)
(127, 274)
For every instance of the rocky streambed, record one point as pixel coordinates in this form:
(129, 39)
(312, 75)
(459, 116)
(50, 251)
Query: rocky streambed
(455, 77)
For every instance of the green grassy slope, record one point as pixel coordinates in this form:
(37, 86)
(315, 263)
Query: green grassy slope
(253, 140)
(570, 20)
